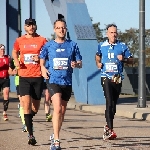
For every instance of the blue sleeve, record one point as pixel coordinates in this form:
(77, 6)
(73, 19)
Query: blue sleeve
(44, 52)
(77, 53)
(99, 50)
(126, 52)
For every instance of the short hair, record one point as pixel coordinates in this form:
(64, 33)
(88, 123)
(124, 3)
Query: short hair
(1, 45)
(61, 20)
(111, 25)
(30, 21)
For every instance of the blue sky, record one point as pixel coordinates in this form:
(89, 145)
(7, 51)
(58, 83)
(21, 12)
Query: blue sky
(124, 13)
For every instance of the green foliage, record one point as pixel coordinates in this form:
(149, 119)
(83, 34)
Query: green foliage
(52, 37)
(98, 31)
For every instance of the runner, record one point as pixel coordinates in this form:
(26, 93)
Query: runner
(110, 58)
(63, 55)
(30, 79)
(5, 70)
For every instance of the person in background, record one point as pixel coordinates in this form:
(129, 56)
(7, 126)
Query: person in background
(5, 70)
(110, 57)
(20, 105)
(47, 101)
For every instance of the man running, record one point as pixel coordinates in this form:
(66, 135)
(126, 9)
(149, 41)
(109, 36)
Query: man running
(4, 79)
(63, 55)
(110, 57)
(30, 79)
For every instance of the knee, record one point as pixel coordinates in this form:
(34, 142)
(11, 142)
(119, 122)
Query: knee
(6, 93)
(35, 110)
(63, 111)
(58, 110)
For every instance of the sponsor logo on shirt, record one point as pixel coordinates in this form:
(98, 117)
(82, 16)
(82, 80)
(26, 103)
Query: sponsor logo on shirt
(60, 50)
(30, 46)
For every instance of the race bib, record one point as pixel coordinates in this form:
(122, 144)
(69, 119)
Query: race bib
(28, 59)
(60, 63)
(111, 67)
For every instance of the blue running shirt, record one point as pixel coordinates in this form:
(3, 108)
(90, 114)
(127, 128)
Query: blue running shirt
(111, 65)
(60, 56)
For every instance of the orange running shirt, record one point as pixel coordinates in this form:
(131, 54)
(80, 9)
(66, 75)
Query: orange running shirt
(29, 47)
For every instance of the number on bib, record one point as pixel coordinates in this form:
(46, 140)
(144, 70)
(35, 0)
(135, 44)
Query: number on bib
(28, 59)
(60, 63)
(111, 67)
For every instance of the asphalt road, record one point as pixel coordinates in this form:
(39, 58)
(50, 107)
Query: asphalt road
(80, 131)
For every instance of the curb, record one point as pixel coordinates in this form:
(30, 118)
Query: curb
(120, 113)
(135, 113)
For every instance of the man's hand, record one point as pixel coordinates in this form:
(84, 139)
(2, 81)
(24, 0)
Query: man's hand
(120, 57)
(14, 71)
(99, 65)
(76, 64)
(17, 64)
(35, 58)
(45, 72)
(73, 64)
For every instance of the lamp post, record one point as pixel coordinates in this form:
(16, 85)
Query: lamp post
(30, 1)
(142, 72)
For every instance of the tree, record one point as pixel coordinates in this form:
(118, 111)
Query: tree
(52, 37)
(130, 37)
(98, 31)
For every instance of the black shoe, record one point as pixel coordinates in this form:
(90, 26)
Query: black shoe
(32, 140)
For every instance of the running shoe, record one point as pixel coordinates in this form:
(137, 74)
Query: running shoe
(5, 117)
(31, 140)
(48, 117)
(113, 135)
(56, 145)
(109, 135)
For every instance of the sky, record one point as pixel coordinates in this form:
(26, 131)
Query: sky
(124, 13)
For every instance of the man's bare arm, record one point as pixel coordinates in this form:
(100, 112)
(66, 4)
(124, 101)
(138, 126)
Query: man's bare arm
(15, 57)
(44, 71)
(15, 54)
(98, 61)
(42, 62)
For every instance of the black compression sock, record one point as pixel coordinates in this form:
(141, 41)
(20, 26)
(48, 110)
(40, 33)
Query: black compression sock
(28, 122)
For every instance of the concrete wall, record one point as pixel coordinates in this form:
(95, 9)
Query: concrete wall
(130, 83)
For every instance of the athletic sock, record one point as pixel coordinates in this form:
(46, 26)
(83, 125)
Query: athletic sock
(28, 122)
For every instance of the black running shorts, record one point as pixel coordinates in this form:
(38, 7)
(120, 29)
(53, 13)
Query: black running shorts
(65, 90)
(32, 86)
(4, 82)
(45, 84)
(17, 90)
